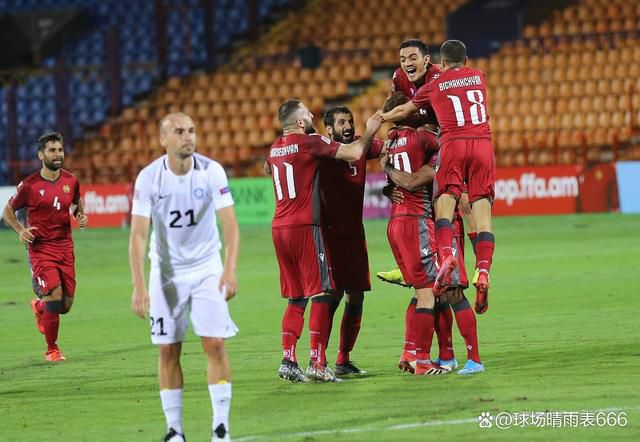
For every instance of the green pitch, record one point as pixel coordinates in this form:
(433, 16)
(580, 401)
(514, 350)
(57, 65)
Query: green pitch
(562, 334)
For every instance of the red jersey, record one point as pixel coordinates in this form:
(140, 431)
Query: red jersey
(459, 98)
(401, 83)
(293, 160)
(342, 187)
(409, 150)
(47, 203)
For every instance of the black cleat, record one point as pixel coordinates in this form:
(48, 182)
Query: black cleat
(174, 436)
(348, 368)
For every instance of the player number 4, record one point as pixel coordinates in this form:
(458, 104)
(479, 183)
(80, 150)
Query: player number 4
(476, 110)
(56, 203)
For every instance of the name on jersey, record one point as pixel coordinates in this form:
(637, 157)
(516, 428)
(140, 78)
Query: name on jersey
(461, 82)
(399, 142)
(284, 150)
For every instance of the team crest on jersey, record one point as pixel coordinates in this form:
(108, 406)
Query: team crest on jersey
(66, 188)
(198, 193)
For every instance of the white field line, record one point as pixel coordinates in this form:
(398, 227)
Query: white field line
(435, 423)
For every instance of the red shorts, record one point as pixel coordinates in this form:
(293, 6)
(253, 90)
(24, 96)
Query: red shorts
(303, 261)
(349, 258)
(52, 268)
(413, 245)
(469, 160)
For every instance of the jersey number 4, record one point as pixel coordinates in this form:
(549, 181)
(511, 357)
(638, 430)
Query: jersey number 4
(476, 110)
(291, 185)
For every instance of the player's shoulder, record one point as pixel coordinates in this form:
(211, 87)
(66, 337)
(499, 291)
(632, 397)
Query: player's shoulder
(398, 74)
(206, 164)
(153, 167)
(318, 137)
(64, 173)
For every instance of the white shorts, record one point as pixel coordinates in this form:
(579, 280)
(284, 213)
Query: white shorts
(193, 291)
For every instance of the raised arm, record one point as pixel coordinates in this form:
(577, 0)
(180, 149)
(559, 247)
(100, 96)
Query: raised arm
(231, 235)
(137, 248)
(355, 150)
(400, 112)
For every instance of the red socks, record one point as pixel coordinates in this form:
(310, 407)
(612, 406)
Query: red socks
(319, 325)
(485, 244)
(423, 325)
(409, 334)
(473, 237)
(51, 323)
(466, 320)
(349, 329)
(292, 323)
(444, 238)
(444, 327)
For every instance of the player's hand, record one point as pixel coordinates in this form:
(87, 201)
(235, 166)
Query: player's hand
(374, 122)
(229, 282)
(391, 191)
(384, 159)
(83, 220)
(26, 236)
(140, 302)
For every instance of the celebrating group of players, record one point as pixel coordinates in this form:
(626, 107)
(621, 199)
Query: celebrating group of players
(439, 160)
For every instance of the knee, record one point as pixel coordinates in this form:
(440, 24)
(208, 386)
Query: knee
(355, 298)
(169, 353)
(214, 347)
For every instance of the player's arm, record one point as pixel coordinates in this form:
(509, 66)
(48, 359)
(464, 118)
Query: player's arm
(137, 248)
(409, 181)
(267, 168)
(400, 112)
(78, 213)
(355, 150)
(10, 219)
(231, 235)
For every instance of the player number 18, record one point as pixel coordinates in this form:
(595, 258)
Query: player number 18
(477, 109)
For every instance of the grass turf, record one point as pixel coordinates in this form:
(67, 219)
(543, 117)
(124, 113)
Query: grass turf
(561, 334)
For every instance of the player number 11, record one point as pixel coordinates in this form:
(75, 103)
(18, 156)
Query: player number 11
(291, 185)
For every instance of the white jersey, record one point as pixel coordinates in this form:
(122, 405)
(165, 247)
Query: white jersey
(182, 211)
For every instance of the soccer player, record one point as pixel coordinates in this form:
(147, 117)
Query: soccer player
(415, 68)
(458, 97)
(297, 236)
(454, 296)
(409, 235)
(182, 194)
(342, 187)
(49, 195)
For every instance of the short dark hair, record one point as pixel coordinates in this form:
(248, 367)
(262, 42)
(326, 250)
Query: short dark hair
(416, 43)
(330, 115)
(287, 110)
(453, 51)
(47, 138)
(394, 100)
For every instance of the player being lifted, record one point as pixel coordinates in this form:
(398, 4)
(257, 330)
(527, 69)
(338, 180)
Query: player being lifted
(49, 195)
(182, 194)
(458, 97)
(297, 236)
(342, 186)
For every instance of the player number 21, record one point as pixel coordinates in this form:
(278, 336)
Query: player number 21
(477, 109)
(291, 186)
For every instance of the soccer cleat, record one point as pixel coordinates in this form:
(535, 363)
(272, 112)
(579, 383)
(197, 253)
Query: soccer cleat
(321, 373)
(291, 371)
(174, 436)
(443, 280)
(393, 276)
(482, 293)
(407, 362)
(54, 356)
(34, 309)
(449, 365)
(220, 433)
(429, 369)
(471, 367)
(348, 368)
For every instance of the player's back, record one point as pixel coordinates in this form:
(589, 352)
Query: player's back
(293, 160)
(409, 150)
(459, 99)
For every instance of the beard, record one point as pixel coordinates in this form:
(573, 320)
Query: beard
(308, 128)
(344, 138)
(53, 166)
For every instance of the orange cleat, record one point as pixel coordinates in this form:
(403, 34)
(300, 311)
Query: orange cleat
(443, 280)
(482, 293)
(54, 356)
(407, 362)
(34, 309)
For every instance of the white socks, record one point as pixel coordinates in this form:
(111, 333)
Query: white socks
(221, 402)
(172, 407)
